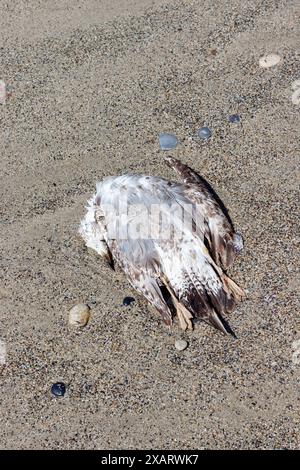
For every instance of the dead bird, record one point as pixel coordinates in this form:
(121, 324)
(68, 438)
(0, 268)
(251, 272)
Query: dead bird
(174, 242)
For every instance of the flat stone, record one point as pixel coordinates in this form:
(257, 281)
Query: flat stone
(204, 133)
(270, 60)
(167, 141)
(181, 344)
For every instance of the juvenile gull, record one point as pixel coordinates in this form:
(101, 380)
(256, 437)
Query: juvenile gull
(176, 260)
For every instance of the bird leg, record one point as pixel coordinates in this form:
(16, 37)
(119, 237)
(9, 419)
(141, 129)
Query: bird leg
(184, 317)
(233, 288)
(230, 286)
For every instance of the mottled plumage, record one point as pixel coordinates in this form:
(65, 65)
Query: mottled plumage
(179, 270)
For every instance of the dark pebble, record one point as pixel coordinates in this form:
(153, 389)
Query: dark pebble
(234, 118)
(128, 300)
(58, 389)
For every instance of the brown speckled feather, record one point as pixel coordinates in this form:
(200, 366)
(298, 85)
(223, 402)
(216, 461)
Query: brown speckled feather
(223, 242)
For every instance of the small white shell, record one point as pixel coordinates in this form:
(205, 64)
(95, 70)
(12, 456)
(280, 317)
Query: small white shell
(269, 60)
(181, 344)
(296, 94)
(79, 315)
(296, 97)
(3, 94)
(295, 85)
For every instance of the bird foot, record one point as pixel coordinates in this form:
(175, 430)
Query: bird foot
(233, 288)
(184, 317)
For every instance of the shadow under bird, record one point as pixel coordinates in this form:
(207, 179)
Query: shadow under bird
(182, 274)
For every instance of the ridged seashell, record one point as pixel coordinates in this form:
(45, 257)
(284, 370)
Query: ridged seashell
(181, 344)
(79, 315)
(269, 60)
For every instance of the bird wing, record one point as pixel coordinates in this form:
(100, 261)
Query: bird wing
(219, 233)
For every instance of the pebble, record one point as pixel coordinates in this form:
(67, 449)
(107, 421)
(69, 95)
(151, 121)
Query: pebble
(167, 141)
(269, 60)
(128, 300)
(79, 315)
(58, 389)
(234, 118)
(296, 90)
(239, 98)
(296, 85)
(3, 94)
(204, 133)
(181, 344)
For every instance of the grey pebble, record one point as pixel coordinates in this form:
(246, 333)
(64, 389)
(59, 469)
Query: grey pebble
(167, 141)
(181, 344)
(204, 133)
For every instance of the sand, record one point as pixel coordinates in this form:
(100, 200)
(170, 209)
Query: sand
(93, 83)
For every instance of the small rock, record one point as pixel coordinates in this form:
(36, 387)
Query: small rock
(239, 98)
(296, 344)
(296, 92)
(79, 315)
(127, 301)
(3, 92)
(234, 118)
(295, 85)
(181, 344)
(58, 389)
(167, 141)
(204, 133)
(269, 60)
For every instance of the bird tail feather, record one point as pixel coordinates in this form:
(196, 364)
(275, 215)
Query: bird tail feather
(203, 293)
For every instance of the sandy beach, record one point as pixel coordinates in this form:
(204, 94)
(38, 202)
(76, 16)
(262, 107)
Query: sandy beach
(92, 84)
